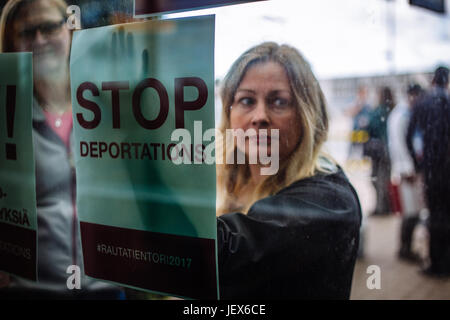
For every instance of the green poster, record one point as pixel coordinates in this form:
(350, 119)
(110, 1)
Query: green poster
(146, 220)
(18, 220)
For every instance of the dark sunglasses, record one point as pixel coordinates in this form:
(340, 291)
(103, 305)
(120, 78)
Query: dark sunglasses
(46, 29)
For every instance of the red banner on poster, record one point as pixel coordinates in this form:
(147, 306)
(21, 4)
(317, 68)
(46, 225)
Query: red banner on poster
(147, 8)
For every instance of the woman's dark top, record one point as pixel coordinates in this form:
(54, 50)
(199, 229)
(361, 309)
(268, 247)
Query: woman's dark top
(298, 244)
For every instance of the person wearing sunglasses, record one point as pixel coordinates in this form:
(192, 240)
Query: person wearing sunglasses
(39, 26)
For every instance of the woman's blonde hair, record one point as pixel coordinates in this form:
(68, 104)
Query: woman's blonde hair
(9, 13)
(311, 108)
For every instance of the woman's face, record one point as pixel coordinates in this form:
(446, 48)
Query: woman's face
(264, 100)
(40, 28)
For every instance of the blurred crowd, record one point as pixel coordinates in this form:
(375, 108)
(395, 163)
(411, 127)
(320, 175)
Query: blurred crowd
(408, 145)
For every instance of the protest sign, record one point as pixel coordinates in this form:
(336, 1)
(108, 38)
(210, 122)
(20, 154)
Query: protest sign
(145, 221)
(18, 220)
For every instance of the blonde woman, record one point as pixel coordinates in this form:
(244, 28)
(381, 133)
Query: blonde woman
(292, 234)
(39, 26)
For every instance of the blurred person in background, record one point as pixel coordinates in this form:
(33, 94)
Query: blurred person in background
(293, 234)
(376, 148)
(431, 117)
(403, 173)
(360, 113)
(39, 26)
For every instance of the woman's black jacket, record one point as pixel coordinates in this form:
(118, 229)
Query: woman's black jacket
(298, 244)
